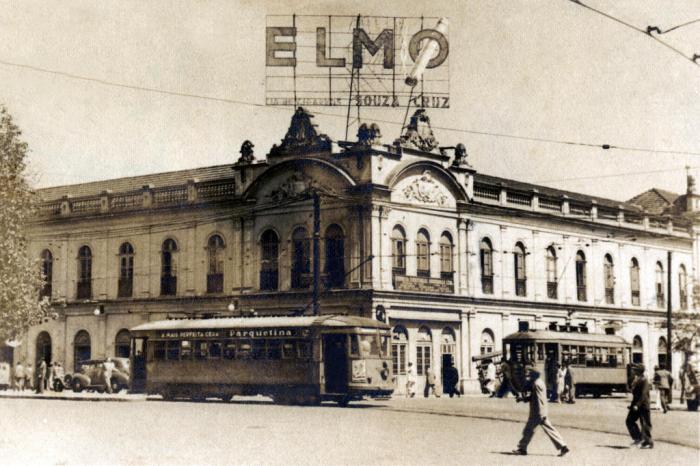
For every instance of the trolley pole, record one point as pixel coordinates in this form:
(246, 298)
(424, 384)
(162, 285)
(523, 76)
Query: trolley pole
(316, 253)
(669, 309)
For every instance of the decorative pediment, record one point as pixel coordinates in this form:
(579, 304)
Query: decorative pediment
(295, 186)
(302, 136)
(425, 189)
(418, 133)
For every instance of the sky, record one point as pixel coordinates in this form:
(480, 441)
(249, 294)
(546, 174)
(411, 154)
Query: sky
(546, 69)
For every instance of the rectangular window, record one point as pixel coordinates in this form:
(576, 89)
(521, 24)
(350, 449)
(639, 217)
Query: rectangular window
(159, 351)
(288, 349)
(422, 359)
(173, 350)
(423, 259)
(304, 349)
(398, 357)
(214, 350)
(274, 349)
(398, 254)
(369, 345)
(185, 349)
(258, 349)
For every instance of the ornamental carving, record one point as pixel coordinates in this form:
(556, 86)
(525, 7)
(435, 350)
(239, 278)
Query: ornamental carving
(302, 136)
(296, 186)
(418, 133)
(425, 189)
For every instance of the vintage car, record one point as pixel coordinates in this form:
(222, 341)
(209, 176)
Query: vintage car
(91, 376)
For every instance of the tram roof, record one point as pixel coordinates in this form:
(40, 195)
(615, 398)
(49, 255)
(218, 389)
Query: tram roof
(550, 335)
(336, 321)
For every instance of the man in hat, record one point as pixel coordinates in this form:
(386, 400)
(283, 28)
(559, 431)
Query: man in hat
(639, 410)
(538, 415)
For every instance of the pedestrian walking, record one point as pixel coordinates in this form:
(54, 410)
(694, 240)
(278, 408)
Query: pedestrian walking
(430, 381)
(40, 376)
(452, 380)
(663, 381)
(491, 379)
(561, 383)
(639, 410)
(47, 377)
(19, 376)
(507, 385)
(29, 377)
(569, 384)
(410, 381)
(108, 367)
(538, 415)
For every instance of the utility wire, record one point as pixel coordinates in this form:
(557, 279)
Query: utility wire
(658, 30)
(105, 82)
(692, 59)
(616, 175)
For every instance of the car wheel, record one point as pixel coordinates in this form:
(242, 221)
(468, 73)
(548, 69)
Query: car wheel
(58, 385)
(115, 386)
(77, 386)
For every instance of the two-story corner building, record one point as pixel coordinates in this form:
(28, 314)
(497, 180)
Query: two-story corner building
(407, 232)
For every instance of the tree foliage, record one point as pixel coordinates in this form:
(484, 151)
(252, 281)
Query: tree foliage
(20, 274)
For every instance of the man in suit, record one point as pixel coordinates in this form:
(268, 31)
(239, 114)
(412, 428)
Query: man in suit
(538, 415)
(663, 381)
(639, 410)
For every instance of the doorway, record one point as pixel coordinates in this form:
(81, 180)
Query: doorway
(138, 365)
(335, 363)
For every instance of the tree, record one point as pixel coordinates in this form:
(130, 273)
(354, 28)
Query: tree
(20, 274)
(686, 333)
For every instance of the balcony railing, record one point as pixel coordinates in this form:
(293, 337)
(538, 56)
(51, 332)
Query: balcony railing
(610, 295)
(552, 290)
(84, 289)
(126, 288)
(521, 287)
(215, 283)
(487, 284)
(581, 293)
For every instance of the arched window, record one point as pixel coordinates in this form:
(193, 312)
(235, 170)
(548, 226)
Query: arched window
(215, 272)
(423, 253)
(446, 265)
(683, 287)
(84, 273)
(487, 341)
(168, 268)
(122, 344)
(301, 258)
(660, 298)
(399, 345)
(637, 350)
(580, 276)
(46, 273)
(662, 353)
(519, 265)
(424, 346)
(82, 350)
(43, 348)
(448, 345)
(269, 260)
(634, 281)
(335, 257)
(552, 278)
(398, 250)
(609, 278)
(486, 259)
(126, 271)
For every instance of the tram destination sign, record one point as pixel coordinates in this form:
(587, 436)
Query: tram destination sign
(369, 61)
(235, 333)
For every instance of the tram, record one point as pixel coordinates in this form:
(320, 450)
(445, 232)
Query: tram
(295, 360)
(599, 362)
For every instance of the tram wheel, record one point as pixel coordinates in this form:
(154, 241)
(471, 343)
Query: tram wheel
(226, 398)
(344, 402)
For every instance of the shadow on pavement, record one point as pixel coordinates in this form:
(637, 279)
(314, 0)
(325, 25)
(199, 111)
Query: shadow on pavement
(614, 447)
(510, 453)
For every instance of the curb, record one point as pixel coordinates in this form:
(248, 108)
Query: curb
(71, 398)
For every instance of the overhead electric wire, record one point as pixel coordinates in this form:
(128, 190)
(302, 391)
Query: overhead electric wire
(616, 175)
(692, 59)
(659, 31)
(105, 82)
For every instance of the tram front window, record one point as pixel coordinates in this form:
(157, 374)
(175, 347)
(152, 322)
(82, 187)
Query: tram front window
(520, 352)
(369, 345)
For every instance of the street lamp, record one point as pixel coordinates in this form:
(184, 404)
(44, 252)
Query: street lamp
(231, 307)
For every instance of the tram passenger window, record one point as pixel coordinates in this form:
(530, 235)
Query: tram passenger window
(244, 350)
(540, 351)
(288, 349)
(304, 349)
(214, 350)
(173, 350)
(258, 350)
(369, 345)
(201, 349)
(230, 350)
(185, 349)
(159, 350)
(274, 350)
(354, 345)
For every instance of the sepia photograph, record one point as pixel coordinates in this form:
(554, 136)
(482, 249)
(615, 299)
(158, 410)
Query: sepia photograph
(323, 232)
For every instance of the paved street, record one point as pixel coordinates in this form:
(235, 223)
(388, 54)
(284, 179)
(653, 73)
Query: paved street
(255, 431)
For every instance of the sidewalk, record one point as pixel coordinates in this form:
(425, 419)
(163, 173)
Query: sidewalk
(70, 395)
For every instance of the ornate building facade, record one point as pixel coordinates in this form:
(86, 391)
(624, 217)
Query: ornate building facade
(408, 232)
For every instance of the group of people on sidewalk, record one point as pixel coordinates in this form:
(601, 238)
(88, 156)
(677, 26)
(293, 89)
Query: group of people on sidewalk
(26, 378)
(450, 379)
(497, 382)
